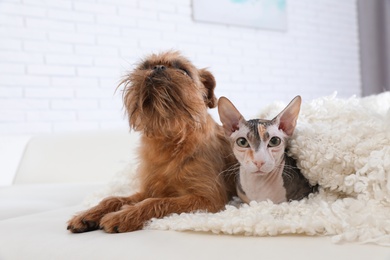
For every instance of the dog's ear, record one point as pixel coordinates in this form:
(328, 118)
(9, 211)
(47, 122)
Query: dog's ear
(208, 81)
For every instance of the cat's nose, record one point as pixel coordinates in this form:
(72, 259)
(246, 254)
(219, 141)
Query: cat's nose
(259, 164)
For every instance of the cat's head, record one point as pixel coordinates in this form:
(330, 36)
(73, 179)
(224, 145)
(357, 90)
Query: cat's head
(258, 144)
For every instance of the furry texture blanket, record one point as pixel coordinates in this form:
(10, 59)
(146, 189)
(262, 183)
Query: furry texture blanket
(344, 146)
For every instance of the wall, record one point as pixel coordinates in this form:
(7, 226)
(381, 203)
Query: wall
(61, 60)
(374, 32)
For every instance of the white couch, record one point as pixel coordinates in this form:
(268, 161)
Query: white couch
(56, 172)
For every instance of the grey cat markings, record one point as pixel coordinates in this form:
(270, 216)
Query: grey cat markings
(266, 172)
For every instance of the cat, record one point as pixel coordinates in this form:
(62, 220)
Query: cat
(266, 172)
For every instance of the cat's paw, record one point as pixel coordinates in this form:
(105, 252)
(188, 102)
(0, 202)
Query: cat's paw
(125, 220)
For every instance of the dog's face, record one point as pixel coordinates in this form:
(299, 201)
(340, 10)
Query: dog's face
(166, 93)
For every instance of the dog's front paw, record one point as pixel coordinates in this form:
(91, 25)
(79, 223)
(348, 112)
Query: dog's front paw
(125, 220)
(83, 222)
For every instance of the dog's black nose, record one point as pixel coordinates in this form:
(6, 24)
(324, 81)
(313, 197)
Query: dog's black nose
(159, 67)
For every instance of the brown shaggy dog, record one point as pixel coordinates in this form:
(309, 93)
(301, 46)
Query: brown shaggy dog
(184, 156)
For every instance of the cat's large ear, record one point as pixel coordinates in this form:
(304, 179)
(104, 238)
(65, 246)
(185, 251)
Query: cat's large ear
(229, 115)
(288, 117)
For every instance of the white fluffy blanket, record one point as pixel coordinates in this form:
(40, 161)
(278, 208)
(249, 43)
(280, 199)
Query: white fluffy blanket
(344, 146)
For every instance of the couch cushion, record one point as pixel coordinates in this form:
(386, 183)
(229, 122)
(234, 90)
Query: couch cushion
(24, 199)
(76, 157)
(44, 236)
(11, 151)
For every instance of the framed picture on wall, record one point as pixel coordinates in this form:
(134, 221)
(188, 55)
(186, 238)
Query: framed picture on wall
(263, 14)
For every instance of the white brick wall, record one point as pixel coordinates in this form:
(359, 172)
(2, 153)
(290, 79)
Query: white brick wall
(61, 60)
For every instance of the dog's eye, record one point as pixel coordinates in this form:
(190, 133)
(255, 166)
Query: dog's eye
(177, 64)
(145, 65)
(185, 72)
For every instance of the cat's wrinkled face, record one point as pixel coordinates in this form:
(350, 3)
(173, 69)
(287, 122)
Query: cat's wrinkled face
(259, 145)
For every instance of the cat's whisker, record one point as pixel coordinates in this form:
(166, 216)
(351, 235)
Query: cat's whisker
(231, 171)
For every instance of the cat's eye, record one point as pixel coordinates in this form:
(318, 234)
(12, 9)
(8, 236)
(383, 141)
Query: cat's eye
(275, 141)
(242, 142)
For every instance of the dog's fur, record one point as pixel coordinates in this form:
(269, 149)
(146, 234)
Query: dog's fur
(184, 156)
